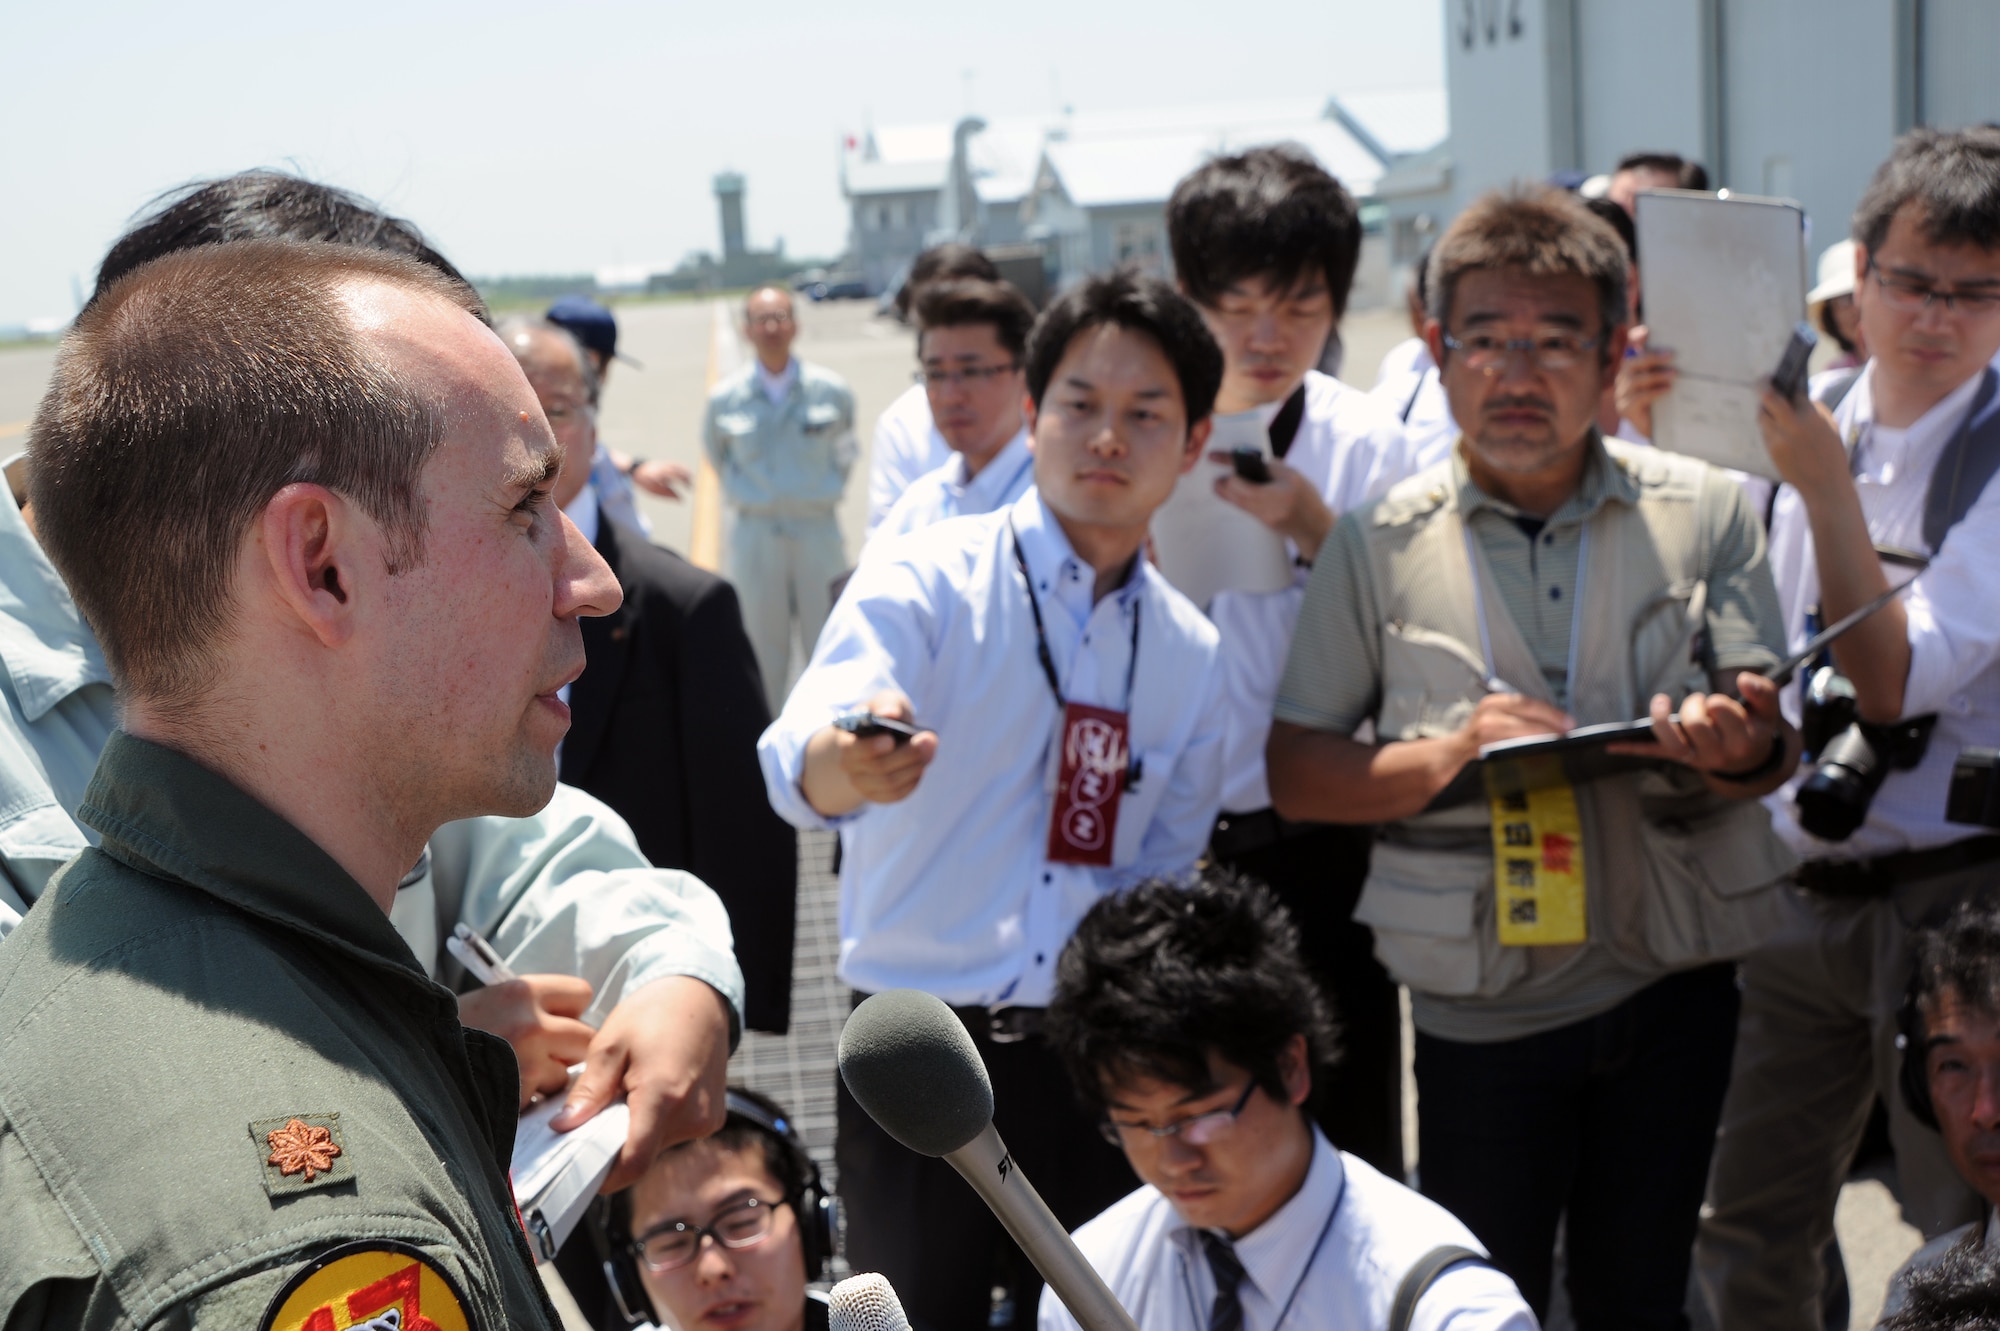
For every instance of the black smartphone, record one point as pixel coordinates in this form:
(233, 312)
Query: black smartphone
(1790, 376)
(867, 725)
(1249, 464)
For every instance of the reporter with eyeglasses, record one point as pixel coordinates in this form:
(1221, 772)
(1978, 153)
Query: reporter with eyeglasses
(1190, 1022)
(722, 1233)
(1566, 935)
(1892, 482)
(972, 340)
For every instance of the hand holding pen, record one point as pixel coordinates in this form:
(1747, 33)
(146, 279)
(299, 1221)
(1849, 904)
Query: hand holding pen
(539, 1015)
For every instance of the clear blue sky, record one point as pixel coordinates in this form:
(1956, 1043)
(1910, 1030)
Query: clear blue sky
(565, 137)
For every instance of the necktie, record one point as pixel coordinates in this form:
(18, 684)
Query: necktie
(1227, 1314)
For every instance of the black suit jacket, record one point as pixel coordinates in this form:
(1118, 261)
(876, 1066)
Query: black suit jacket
(664, 729)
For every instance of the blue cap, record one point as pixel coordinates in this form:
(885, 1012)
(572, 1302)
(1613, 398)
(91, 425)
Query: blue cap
(589, 323)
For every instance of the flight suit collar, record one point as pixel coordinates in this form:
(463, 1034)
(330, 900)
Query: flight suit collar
(165, 814)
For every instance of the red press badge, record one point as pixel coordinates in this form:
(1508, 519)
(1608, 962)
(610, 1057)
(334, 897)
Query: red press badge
(1083, 827)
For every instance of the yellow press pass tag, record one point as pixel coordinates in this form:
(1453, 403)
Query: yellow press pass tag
(1538, 858)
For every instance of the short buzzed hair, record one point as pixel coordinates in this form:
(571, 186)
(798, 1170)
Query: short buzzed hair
(190, 392)
(1534, 230)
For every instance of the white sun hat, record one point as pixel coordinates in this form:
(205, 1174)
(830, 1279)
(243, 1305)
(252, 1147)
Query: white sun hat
(1836, 274)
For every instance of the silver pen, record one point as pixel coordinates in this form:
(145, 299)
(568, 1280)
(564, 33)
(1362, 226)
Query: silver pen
(477, 955)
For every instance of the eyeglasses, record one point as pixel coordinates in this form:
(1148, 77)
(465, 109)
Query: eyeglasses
(1199, 1130)
(969, 374)
(673, 1245)
(767, 320)
(1551, 352)
(1911, 297)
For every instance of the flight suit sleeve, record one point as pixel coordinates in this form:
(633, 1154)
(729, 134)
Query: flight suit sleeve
(567, 892)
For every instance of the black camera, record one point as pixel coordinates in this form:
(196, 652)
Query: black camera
(1853, 757)
(1974, 797)
(1829, 709)
(1834, 800)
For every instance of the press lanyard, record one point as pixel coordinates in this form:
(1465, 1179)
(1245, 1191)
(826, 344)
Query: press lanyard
(1575, 610)
(1312, 1259)
(1042, 637)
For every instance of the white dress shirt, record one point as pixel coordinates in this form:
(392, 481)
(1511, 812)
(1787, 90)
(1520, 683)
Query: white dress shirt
(615, 496)
(1410, 387)
(777, 386)
(907, 445)
(1334, 1253)
(1953, 631)
(948, 493)
(950, 890)
(1352, 450)
(1410, 356)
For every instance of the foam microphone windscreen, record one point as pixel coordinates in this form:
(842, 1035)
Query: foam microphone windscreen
(865, 1302)
(913, 1067)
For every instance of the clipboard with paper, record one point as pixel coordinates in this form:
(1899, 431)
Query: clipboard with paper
(1582, 755)
(556, 1174)
(1202, 543)
(1725, 284)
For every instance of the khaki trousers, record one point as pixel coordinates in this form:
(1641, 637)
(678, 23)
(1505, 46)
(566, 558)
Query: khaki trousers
(783, 568)
(1815, 1045)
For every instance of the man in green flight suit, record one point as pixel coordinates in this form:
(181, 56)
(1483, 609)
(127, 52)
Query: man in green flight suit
(302, 495)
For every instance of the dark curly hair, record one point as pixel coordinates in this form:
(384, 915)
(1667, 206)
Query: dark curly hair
(1157, 977)
(1959, 1292)
(1959, 955)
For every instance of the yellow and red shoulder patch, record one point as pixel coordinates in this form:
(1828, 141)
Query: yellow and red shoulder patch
(371, 1285)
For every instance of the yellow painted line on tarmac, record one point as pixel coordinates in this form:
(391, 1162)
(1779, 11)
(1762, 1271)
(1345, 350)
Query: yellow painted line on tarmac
(705, 539)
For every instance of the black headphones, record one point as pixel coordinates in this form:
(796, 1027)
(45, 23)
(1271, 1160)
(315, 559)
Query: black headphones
(818, 1212)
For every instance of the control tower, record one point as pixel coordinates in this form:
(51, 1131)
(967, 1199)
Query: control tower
(729, 197)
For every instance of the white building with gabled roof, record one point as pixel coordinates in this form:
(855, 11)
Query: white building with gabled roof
(1090, 188)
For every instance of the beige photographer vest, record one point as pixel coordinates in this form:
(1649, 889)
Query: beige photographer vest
(1675, 875)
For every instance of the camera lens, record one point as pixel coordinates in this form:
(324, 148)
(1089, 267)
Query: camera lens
(1833, 801)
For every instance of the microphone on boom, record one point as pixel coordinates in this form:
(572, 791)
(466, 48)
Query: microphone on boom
(913, 1067)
